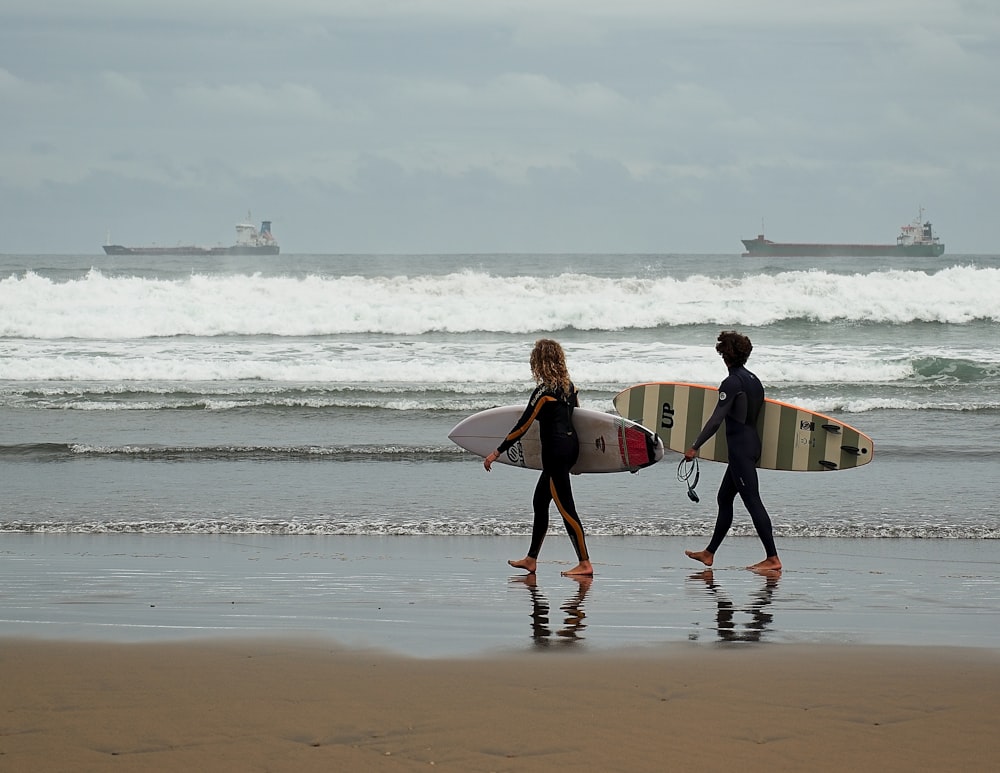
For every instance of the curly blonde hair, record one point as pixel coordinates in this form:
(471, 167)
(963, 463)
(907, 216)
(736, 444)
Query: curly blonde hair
(548, 364)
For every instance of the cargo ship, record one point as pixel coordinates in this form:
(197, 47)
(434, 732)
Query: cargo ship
(915, 239)
(249, 241)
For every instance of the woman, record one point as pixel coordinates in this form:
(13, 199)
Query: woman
(552, 404)
(741, 399)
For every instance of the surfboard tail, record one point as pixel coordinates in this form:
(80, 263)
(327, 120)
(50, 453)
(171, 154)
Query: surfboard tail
(639, 447)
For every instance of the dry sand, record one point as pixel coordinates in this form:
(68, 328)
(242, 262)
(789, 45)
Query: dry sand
(251, 705)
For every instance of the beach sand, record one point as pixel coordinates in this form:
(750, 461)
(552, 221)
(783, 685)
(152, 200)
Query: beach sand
(282, 706)
(145, 653)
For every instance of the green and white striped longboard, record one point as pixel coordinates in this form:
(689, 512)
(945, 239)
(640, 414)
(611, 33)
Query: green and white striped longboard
(792, 438)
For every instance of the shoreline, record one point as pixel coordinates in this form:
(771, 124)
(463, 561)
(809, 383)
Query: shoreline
(443, 597)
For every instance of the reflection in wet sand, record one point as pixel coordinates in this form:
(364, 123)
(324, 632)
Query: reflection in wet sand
(759, 622)
(573, 621)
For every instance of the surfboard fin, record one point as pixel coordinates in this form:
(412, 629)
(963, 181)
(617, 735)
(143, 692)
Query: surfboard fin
(827, 465)
(832, 428)
(851, 450)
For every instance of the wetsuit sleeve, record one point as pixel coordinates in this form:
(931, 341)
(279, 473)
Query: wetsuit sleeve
(535, 402)
(727, 399)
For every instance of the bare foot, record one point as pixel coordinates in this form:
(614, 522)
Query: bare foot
(701, 555)
(582, 569)
(766, 566)
(527, 563)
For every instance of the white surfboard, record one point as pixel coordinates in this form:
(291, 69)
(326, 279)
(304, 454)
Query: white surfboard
(608, 443)
(792, 438)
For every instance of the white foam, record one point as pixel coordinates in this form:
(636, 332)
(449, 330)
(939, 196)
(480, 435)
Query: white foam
(99, 306)
(67, 367)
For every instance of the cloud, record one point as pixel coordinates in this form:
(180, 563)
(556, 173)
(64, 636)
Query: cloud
(244, 101)
(9, 83)
(719, 111)
(630, 13)
(18, 91)
(123, 86)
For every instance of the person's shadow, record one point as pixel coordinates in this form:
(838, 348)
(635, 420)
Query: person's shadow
(574, 618)
(726, 625)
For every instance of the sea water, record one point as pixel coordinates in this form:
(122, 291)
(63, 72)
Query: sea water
(313, 394)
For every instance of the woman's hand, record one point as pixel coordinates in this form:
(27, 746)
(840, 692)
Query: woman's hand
(488, 461)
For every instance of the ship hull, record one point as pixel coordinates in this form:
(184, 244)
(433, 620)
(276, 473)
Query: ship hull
(237, 249)
(769, 249)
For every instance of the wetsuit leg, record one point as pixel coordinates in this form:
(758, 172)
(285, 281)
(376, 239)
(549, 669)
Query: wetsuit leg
(724, 520)
(745, 479)
(558, 462)
(540, 505)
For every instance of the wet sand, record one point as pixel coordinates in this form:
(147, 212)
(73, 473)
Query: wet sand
(456, 597)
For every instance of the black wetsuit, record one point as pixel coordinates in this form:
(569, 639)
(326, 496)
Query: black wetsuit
(553, 408)
(741, 399)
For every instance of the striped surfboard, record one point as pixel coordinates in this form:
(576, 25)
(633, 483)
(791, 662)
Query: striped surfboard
(792, 438)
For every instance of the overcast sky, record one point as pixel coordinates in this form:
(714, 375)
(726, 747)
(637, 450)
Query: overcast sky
(491, 126)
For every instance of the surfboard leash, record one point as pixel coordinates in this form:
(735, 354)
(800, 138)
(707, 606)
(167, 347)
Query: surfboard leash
(686, 470)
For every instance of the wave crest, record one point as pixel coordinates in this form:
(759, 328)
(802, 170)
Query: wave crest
(110, 307)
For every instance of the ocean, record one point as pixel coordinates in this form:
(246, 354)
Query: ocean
(313, 394)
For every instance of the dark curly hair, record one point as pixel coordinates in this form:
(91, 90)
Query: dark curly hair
(734, 347)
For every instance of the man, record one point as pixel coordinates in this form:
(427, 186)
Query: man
(741, 399)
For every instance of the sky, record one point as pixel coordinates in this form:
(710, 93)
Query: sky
(491, 126)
